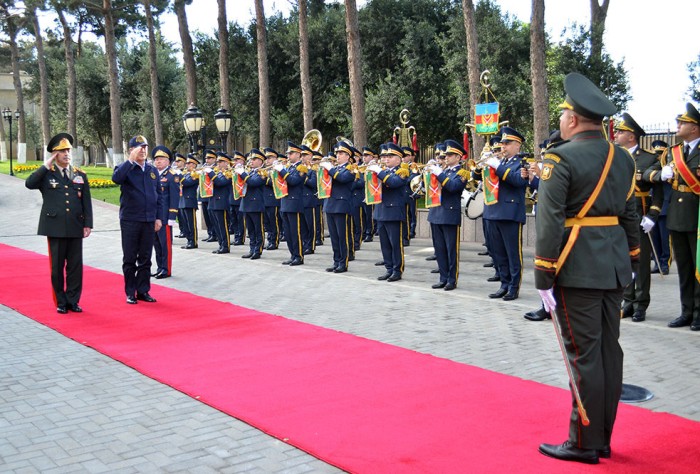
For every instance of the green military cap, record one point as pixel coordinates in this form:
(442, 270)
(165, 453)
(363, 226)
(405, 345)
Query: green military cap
(584, 97)
(691, 115)
(628, 124)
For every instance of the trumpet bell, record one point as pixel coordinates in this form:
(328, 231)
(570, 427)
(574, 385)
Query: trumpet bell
(340, 138)
(417, 185)
(313, 139)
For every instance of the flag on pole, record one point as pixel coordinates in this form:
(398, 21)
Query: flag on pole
(486, 118)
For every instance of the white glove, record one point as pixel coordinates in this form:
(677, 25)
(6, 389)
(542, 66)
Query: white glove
(207, 170)
(239, 169)
(647, 224)
(548, 300)
(436, 170)
(374, 168)
(326, 165)
(171, 222)
(493, 162)
(666, 172)
(278, 167)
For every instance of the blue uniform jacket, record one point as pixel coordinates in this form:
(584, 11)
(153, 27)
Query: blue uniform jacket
(170, 188)
(253, 201)
(141, 199)
(340, 201)
(511, 193)
(222, 191)
(358, 190)
(269, 194)
(310, 190)
(188, 191)
(294, 201)
(450, 209)
(393, 205)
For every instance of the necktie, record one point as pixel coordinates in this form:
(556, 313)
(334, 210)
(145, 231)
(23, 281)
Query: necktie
(65, 173)
(686, 150)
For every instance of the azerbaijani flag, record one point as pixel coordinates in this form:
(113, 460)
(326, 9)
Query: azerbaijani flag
(433, 190)
(324, 183)
(373, 188)
(486, 118)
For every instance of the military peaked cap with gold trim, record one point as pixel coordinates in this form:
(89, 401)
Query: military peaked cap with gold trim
(584, 97)
(62, 141)
(628, 124)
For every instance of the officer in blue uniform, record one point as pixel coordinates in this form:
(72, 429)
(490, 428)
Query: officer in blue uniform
(253, 203)
(338, 207)
(391, 212)
(358, 194)
(221, 200)
(409, 158)
(292, 206)
(188, 205)
(309, 196)
(210, 163)
(237, 221)
(318, 206)
(272, 205)
(368, 156)
(446, 219)
(140, 216)
(178, 167)
(170, 188)
(507, 215)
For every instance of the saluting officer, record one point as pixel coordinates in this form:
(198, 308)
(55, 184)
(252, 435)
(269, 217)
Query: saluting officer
(170, 188)
(188, 205)
(253, 203)
(391, 212)
(636, 296)
(220, 202)
(446, 219)
(587, 238)
(65, 220)
(681, 164)
(292, 206)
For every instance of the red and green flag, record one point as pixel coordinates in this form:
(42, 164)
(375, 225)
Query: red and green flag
(433, 190)
(239, 187)
(279, 185)
(206, 186)
(373, 188)
(324, 183)
(490, 186)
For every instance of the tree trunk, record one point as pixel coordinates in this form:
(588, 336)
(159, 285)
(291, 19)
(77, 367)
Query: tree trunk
(114, 94)
(43, 81)
(224, 83)
(155, 91)
(72, 80)
(473, 67)
(357, 91)
(187, 52)
(598, 15)
(263, 80)
(306, 97)
(538, 74)
(14, 55)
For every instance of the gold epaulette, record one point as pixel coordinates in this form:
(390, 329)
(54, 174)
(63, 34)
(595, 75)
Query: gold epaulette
(403, 172)
(464, 174)
(302, 169)
(404, 166)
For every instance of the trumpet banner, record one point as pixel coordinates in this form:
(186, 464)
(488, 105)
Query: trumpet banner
(239, 187)
(373, 188)
(279, 185)
(324, 183)
(206, 186)
(486, 118)
(433, 190)
(490, 186)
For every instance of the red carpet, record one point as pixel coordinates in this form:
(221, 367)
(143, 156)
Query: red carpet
(359, 404)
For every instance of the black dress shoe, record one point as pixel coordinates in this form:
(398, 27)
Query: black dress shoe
(154, 274)
(309, 252)
(384, 277)
(695, 326)
(287, 262)
(351, 258)
(379, 264)
(255, 256)
(331, 269)
(605, 452)
(222, 251)
(680, 322)
(539, 315)
(340, 270)
(60, 309)
(368, 239)
(494, 278)
(664, 271)
(432, 257)
(567, 452)
(296, 262)
(180, 236)
(247, 255)
(131, 300)
(655, 269)
(435, 270)
(237, 243)
(485, 252)
(450, 287)
(145, 297)
(406, 243)
(510, 297)
(394, 277)
(162, 275)
(627, 311)
(75, 308)
(437, 286)
(499, 294)
(639, 316)
(189, 246)
(488, 265)
(270, 247)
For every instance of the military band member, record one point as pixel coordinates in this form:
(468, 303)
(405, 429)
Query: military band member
(507, 215)
(438, 156)
(338, 207)
(681, 170)
(318, 208)
(636, 296)
(497, 150)
(219, 204)
(587, 237)
(272, 223)
(237, 222)
(210, 163)
(409, 158)
(189, 185)
(179, 168)
(391, 212)
(446, 219)
(65, 220)
(253, 203)
(170, 188)
(368, 156)
(308, 222)
(659, 233)
(358, 195)
(140, 216)
(292, 205)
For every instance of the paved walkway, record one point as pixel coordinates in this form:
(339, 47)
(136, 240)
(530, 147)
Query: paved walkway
(66, 408)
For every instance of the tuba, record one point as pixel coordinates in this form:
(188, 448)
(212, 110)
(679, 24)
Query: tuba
(313, 139)
(339, 139)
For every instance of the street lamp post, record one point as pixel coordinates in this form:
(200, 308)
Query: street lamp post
(7, 115)
(222, 119)
(193, 122)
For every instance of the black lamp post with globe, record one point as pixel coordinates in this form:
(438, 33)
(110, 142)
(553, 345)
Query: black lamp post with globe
(7, 115)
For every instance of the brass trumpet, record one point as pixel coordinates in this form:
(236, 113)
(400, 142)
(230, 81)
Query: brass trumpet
(313, 139)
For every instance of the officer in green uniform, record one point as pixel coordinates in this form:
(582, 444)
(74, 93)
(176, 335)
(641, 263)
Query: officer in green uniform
(682, 162)
(636, 296)
(587, 241)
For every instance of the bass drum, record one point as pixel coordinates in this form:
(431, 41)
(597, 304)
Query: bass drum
(474, 205)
